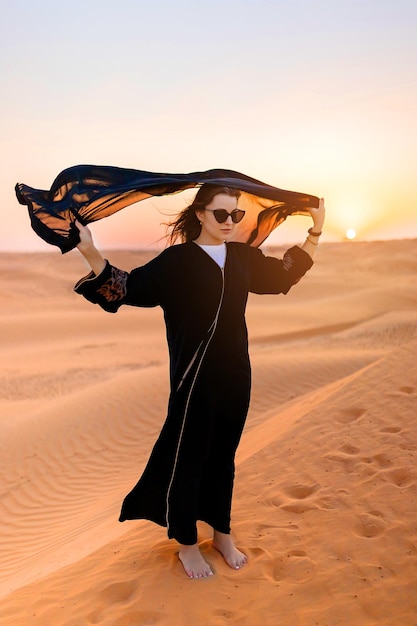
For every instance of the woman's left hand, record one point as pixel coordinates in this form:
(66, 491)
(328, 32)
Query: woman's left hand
(318, 215)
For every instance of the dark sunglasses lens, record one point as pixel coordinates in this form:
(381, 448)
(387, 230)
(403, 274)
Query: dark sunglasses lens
(237, 216)
(221, 215)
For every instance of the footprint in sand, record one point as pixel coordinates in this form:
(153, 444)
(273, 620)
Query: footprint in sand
(368, 463)
(294, 566)
(300, 492)
(328, 503)
(383, 460)
(370, 525)
(391, 429)
(351, 414)
(120, 592)
(345, 456)
(401, 477)
(347, 448)
(257, 553)
(300, 495)
(347, 462)
(407, 390)
(265, 529)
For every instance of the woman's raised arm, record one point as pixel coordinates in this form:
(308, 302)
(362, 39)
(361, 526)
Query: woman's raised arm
(312, 240)
(88, 249)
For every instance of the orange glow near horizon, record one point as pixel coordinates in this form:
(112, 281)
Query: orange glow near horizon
(141, 226)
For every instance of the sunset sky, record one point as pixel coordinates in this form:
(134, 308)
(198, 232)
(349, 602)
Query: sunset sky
(318, 96)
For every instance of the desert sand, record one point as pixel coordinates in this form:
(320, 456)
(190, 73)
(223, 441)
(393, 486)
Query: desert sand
(325, 501)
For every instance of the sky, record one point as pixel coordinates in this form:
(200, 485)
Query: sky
(317, 96)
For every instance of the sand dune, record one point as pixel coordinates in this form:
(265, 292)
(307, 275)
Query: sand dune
(325, 501)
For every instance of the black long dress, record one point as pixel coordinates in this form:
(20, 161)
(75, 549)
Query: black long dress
(190, 473)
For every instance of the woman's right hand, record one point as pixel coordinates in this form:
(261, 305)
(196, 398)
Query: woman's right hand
(86, 239)
(88, 249)
(318, 215)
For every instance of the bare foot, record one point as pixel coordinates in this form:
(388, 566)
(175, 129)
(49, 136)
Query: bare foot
(194, 564)
(224, 544)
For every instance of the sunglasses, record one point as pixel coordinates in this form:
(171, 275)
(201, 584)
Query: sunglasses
(221, 215)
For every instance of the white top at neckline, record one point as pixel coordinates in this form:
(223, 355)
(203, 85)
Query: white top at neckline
(216, 252)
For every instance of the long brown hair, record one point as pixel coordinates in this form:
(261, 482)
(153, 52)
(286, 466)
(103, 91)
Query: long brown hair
(186, 227)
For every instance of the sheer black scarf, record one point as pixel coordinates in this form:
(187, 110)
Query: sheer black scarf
(90, 192)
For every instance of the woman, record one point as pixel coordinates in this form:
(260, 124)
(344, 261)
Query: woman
(202, 286)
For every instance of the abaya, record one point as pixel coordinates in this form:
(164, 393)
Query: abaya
(190, 473)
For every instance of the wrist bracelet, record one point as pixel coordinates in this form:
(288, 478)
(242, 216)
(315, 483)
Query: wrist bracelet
(315, 243)
(311, 232)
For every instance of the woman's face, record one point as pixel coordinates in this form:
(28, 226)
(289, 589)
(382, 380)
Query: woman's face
(212, 232)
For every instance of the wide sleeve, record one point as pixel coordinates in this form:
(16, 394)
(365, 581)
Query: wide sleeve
(143, 286)
(273, 275)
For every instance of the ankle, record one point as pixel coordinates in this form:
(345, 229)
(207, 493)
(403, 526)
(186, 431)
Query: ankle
(183, 547)
(221, 536)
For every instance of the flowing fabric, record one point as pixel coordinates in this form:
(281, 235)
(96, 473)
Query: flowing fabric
(89, 193)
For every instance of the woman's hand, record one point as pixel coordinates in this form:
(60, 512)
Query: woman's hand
(318, 216)
(312, 240)
(86, 239)
(88, 249)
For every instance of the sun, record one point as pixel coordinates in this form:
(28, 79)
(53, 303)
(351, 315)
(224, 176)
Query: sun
(350, 233)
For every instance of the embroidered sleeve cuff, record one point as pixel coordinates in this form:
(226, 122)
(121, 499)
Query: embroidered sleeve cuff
(108, 289)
